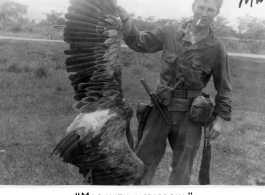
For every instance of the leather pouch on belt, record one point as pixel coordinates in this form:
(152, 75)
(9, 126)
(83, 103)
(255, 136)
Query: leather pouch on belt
(201, 109)
(141, 111)
(179, 105)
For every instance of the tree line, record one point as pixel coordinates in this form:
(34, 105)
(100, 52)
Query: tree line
(248, 27)
(11, 11)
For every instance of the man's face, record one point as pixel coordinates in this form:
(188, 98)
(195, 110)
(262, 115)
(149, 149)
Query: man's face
(206, 10)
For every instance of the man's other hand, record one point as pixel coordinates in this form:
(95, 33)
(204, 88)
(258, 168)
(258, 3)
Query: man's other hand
(216, 128)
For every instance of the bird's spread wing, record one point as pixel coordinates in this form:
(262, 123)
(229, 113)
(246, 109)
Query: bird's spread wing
(94, 34)
(96, 141)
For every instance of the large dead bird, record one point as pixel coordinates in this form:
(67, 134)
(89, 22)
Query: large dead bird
(96, 141)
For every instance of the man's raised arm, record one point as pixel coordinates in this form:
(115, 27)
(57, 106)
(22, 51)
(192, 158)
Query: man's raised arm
(144, 41)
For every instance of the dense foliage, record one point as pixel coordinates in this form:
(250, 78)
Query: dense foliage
(247, 37)
(248, 27)
(53, 18)
(12, 11)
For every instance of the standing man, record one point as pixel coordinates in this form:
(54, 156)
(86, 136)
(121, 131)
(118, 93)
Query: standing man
(191, 56)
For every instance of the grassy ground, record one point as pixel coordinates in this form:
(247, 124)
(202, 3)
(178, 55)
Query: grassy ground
(31, 31)
(35, 109)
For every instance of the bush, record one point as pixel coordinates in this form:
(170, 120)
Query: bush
(3, 61)
(17, 28)
(27, 28)
(254, 47)
(25, 68)
(60, 89)
(232, 45)
(41, 72)
(13, 67)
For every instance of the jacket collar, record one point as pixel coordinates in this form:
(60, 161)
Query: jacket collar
(208, 41)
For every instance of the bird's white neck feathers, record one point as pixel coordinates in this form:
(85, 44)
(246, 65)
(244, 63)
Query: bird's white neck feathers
(90, 121)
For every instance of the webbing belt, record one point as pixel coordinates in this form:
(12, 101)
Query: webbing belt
(186, 94)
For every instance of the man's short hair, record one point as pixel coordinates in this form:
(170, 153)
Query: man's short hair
(219, 4)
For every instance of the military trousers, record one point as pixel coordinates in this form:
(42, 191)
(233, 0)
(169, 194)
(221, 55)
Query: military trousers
(184, 138)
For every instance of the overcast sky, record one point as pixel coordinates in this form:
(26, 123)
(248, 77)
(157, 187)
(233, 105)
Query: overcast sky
(168, 9)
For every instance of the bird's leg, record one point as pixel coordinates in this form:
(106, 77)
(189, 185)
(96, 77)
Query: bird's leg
(88, 179)
(129, 136)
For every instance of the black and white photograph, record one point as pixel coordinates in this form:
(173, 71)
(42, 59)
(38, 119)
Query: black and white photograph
(132, 93)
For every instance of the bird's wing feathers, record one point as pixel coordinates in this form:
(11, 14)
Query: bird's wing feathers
(106, 152)
(96, 141)
(94, 34)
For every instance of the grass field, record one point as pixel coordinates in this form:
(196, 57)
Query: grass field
(14, 29)
(35, 110)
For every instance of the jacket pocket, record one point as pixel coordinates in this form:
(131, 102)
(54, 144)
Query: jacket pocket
(196, 71)
(204, 68)
(168, 68)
